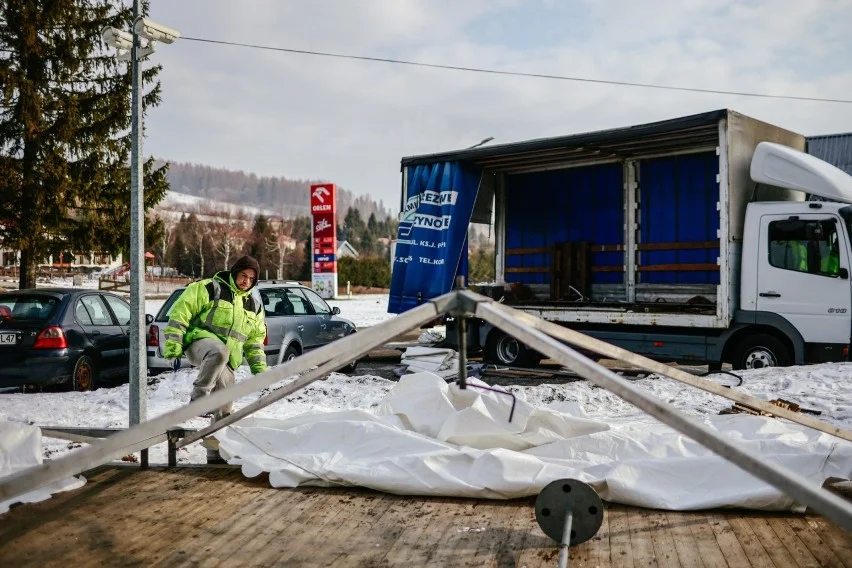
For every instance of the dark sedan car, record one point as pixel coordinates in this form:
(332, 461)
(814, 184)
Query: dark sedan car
(51, 336)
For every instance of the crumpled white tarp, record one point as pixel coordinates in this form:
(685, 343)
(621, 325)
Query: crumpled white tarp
(20, 448)
(431, 438)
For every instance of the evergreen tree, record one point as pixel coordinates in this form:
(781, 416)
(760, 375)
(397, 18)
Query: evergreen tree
(261, 233)
(65, 130)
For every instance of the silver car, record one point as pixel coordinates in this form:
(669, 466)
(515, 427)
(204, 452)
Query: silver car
(297, 320)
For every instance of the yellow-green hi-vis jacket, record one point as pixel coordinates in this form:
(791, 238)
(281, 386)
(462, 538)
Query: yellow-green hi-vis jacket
(217, 309)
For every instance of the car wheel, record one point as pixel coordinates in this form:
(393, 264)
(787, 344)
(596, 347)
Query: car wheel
(85, 374)
(290, 353)
(761, 351)
(350, 368)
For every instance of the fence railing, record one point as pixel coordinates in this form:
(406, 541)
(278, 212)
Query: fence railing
(545, 337)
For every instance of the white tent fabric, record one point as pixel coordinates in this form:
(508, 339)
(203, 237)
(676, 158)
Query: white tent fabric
(431, 438)
(20, 448)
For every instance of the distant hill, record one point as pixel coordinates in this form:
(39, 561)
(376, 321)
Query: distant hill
(287, 198)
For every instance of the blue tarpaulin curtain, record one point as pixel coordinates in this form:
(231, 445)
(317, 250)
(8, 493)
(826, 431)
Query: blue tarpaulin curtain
(432, 235)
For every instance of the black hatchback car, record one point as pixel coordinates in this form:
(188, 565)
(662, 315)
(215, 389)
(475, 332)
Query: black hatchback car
(51, 336)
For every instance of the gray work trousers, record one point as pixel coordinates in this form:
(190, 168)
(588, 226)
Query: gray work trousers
(211, 357)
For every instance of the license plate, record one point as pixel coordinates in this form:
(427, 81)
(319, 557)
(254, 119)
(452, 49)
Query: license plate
(8, 338)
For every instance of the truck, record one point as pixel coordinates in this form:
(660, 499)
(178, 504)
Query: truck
(707, 239)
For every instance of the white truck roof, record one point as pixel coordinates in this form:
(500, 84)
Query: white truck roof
(782, 166)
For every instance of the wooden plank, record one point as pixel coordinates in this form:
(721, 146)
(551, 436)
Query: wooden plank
(817, 547)
(215, 531)
(728, 542)
(677, 267)
(640, 537)
(371, 545)
(531, 250)
(236, 507)
(770, 541)
(528, 269)
(538, 549)
(502, 519)
(351, 528)
(621, 553)
(194, 516)
(595, 551)
(415, 544)
(705, 541)
(797, 549)
(522, 525)
(316, 513)
(697, 245)
(685, 543)
(457, 540)
(198, 520)
(662, 539)
(754, 550)
(839, 542)
(608, 268)
(608, 248)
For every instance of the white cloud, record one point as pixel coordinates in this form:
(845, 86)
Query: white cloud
(351, 121)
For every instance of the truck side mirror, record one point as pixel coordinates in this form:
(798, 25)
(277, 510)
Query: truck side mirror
(843, 273)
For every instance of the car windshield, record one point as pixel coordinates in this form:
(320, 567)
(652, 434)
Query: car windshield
(165, 310)
(27, 308)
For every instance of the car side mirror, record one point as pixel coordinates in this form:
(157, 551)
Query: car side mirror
(149, 319)
(335, 310)
(843, 273)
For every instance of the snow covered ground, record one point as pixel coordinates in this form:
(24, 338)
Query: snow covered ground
(824, 388)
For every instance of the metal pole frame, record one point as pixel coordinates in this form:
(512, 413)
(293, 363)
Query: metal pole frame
(508, 319)
(524, 327)
(155, 431)
(138, 357)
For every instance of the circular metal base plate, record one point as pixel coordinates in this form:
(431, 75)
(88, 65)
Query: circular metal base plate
(557, 498)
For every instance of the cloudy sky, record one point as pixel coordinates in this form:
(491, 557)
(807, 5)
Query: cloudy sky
(350, 122)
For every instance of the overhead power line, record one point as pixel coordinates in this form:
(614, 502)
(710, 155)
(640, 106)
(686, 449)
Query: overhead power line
(517, 73)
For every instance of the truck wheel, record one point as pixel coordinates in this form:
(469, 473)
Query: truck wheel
(760, 351)
(503, 349)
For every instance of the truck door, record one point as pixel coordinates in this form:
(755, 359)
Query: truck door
(800, 278)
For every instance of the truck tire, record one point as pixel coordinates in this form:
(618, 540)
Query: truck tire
(761, 351)
(503, 349)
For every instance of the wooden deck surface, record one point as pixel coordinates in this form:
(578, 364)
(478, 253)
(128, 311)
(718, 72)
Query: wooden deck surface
(213, 516)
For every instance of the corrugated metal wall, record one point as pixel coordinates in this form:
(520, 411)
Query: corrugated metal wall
(567, 205)
(677, 204)
(835, 149)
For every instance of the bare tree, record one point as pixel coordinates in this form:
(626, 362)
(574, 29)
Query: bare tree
(165, 241)
(281, 241)
(231, 236)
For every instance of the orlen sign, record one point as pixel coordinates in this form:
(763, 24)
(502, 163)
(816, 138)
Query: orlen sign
(324, 239)
(323, 198)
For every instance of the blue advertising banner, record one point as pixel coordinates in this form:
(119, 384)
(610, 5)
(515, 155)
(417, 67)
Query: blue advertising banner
(432, 235)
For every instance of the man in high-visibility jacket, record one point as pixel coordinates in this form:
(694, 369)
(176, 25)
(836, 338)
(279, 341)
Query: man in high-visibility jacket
(216, 322)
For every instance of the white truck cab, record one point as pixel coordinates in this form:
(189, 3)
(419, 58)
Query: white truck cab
(796, 255)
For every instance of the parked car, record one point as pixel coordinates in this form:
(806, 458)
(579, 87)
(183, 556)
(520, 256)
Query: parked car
(297, 320)
(51, 336)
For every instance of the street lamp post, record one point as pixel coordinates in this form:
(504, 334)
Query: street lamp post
(130, 46)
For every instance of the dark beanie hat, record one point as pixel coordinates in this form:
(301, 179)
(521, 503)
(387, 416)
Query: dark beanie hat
(245, 262)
